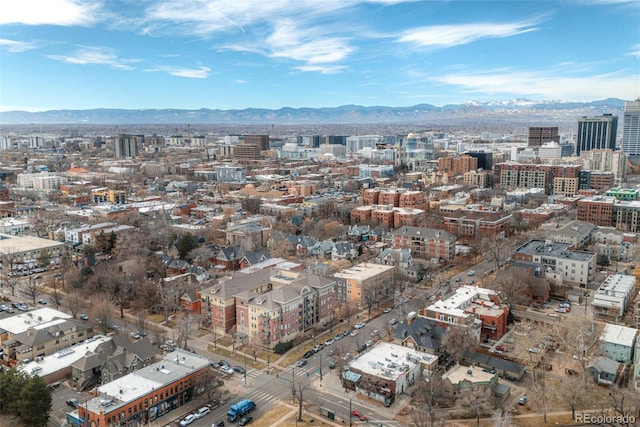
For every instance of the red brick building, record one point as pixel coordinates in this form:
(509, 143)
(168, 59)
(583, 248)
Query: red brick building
(469, 225)
(597, 210)
(425, 243)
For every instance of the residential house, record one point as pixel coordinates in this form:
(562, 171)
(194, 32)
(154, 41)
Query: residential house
(605, 371)
(614, 296)
(401, 259)
(421, 334)
(459, 378)
(577, 233)
(618, 342)
(344, 250)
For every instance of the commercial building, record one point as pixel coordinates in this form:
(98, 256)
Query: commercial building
(387, 370)
(22, 249)
(127, 146)
(537, 136)
(631, 128)
(625, 194)
(597, 210)
(142, 396)
(596, 133)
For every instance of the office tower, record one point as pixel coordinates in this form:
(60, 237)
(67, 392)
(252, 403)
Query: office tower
(539, 135)
(631, 128)
(596, 133)
(260, 141)
(127, 146)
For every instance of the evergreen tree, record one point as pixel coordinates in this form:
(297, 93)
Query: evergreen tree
(11, 383)
(185, 244)
(34, 404)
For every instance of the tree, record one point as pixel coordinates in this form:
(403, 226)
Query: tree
(458, 340)
(185, 244)
(297, 392)
(573, 391)
(501, 418)
(185, 326)
(371, 297)
(251, 204)
(32, 289)
(625, 401)
(477, 400)
(578, 335)
(35, 402)
(514, 286)
(496, 248)
(11, 383)
(44, 258)
(208, 385)
(103, 312)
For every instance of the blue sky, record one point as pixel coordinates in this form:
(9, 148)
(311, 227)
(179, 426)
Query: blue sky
(235, 54)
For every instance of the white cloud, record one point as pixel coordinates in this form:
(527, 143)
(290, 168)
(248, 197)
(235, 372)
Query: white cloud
(453, 35)
(95, 56)
(635, 50)
(240, 81)
(192, 73)
(544, 85)
(323, 69)
(50, 12)
(14, 46)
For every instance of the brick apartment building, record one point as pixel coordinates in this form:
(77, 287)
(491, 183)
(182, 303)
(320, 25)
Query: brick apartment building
(597, 210)
(424, 243)
(469, 225)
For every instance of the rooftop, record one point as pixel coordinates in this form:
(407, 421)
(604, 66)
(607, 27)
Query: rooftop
(41, 317)
(472, 374)
(618, 334)
(550, 249)
(363, 271)
(390, 360)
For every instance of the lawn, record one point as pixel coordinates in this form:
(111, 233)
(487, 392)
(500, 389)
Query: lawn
(271, 417)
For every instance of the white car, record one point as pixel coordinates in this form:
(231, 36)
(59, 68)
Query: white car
(187, 420)
(354, 333)
(202, 412)
(359, 325)
(227, 369)
(328, 342)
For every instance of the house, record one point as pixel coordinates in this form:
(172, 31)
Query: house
(604, 370)
(253, 257)
(344, 250)
(577, 233)
(190, 300)
(421, 334)
(506, 369)
(401, 259)
(323, 250)
(228, 258)
(617, 342)
(459, 377)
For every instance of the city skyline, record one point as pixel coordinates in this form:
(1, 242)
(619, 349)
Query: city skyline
(72, 54)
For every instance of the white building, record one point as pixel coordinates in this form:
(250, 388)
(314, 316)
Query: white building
(618, 342)
(40, 181)
(614, 296)
(358, 142)
(549, 152)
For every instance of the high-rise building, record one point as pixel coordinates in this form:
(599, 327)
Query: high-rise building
(596, 133)
(539, 135)
(631, 128)
(127, 146)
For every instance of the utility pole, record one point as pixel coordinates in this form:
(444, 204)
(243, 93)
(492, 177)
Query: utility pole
(350, 423)
(320, 370)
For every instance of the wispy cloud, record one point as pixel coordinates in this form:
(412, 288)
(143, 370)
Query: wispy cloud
(543, 84)
(51, 12)
(14, 46)
(453, 35)
(192, 73)
(96, 56)
(635, 50)
(322, 69)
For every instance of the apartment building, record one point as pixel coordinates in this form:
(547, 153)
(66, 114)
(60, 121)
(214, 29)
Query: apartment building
(614, 296)
(597, 210)
(472, 224)
(424, 243)
(354, 283)
(617, 342)
(558, 260)
(478, 179)
(576, 233)
(479, 309)
(565, 186)
(459, 165)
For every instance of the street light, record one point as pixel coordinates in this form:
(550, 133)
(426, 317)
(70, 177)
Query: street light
(320, 370)
(350, 423)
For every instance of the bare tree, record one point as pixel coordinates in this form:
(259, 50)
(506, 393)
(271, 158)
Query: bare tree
(497, 248)
(297, 393)
(579, 335)
(32, 289)
(56, 298)
(143, 322)
(514, 286)
(477, 400)
(574, 393)
(102, 310)
(458, 340)
(625, 401)
(208, 385)
(74, 302)
(186, 324)
(501, 418)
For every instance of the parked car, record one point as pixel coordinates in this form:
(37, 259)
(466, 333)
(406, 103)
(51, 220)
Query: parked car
(202, 412)
(245, 420)
(224, 363)
(328, 342)
(74, 403)
(317, 348)
(308, 354)
(522, 400)
(218, 424)
(187, 420)
(83, 317)
(332, 364)
(358, 415)
(359, 325)
(387, 310)
(239, 369)
(374, 333)
(393, 321)
(354, 333)
(471, 272)
(227, 370)
(42, 301)
(301, 363)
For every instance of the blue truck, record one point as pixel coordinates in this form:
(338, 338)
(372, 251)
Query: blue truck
(240, 409)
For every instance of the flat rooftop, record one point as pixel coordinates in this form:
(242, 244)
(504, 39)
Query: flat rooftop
(363, 271)
(173, 366)
(550, 249)
(390, 360)
(19, 244)
(617, 284)
(473, 374)
(619, 335)
(465, 298)
(63, 358)
(41, 317)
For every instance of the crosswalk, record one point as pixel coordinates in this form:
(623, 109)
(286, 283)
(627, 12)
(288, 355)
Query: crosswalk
(261, 397)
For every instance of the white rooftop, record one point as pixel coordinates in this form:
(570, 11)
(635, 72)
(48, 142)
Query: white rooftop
(617, 284)
(31, 319)
(472, 374)
(619, 335)
(465, 295)
(363, 271)
(63, 358)
(390, 360)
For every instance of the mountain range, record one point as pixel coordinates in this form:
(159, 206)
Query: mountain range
(519, 111)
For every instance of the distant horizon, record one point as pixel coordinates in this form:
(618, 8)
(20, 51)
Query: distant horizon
(235, 55)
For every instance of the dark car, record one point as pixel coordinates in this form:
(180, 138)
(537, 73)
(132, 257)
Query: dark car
(218, 424)
(83, 317)
(301, 363)
(239, 369)
(332, 364)
(74, 403)
(245, 420)
(224, 363)
(308, 354)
